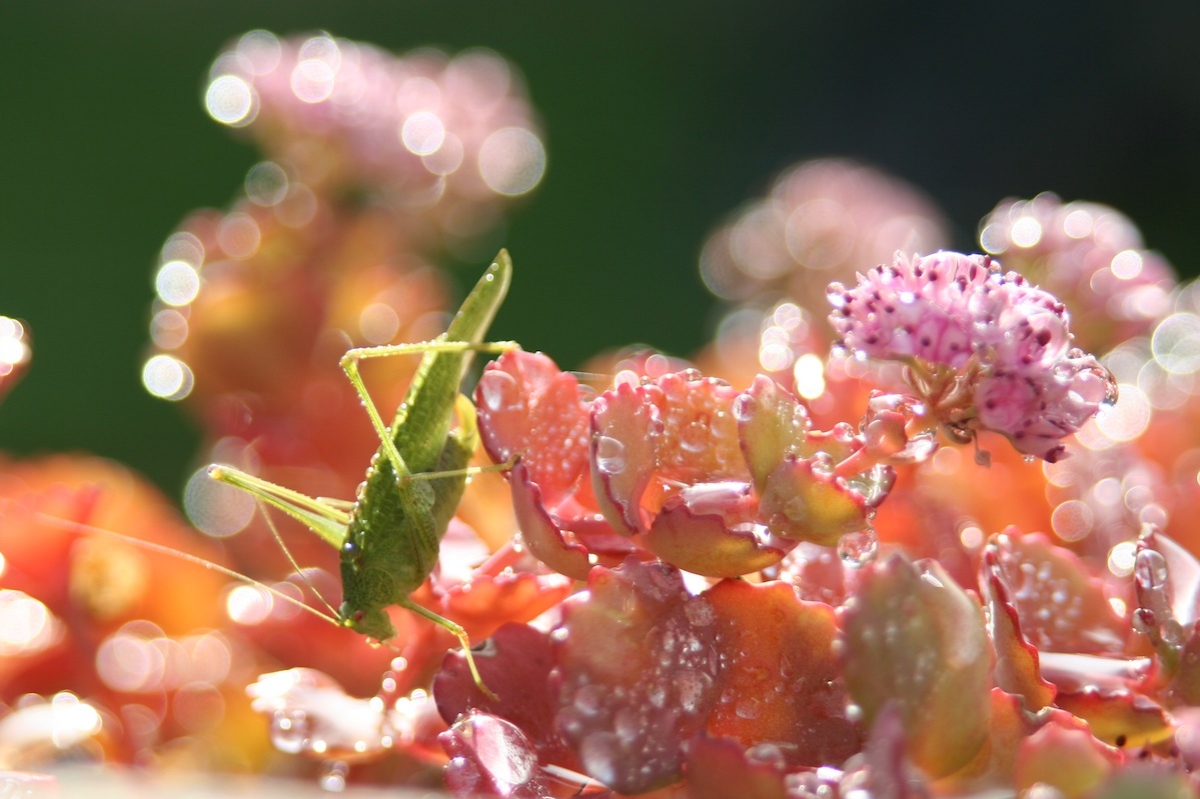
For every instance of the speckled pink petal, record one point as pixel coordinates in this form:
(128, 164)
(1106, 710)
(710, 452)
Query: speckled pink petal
(491, 757)
(804, 503)
(1016, 669)
(781, 684)
(639, 665)
(914, 637)
(530, 408)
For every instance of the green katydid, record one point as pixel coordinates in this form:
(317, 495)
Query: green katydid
(390, 535)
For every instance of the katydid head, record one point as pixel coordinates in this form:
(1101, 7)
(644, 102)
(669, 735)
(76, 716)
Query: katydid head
(372, 622)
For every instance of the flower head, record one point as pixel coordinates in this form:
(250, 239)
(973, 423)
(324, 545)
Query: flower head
(986, 349)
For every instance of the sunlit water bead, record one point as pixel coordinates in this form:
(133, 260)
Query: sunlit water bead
(27, 626)
(858, 549)
(333, 776)
(15, 352)
(36, 730)
(609, 455)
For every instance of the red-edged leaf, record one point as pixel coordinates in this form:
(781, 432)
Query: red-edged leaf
(528, 407)
(915, 638)
(639, 670)
(720, 769)
(540, 529)
(1119, 718)
(780, 684)
(490, 756)
(624, 454)
(1062, 607)
(1068, 759)
(772, 424)
(709, 544)
(1016, 669)
(807, 504)
(517, 665)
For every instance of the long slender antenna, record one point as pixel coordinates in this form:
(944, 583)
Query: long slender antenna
(303, 574)
(80, 527)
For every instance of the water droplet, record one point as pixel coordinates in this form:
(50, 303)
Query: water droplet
(744, 407)
(747, 708)
(822, 464)
(858, 549)
(499, 391)
(333, 777)
(289, 731)
(602, 756)
(610, 455)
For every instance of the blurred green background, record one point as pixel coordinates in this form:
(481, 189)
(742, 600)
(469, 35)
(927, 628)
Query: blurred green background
(660, 119)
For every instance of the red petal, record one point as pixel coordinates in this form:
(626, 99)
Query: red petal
(529, 407)
(639, 671)
(516, 664)
(1016, 669)
(540, 530)
(781, 683)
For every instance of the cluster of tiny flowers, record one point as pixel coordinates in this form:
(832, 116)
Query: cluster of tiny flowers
(986, 349)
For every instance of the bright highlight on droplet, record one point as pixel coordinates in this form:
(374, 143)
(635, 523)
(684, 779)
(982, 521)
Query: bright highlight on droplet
(1121, 558)
(177, 283)
(423, 133)
(312, 81)
(809, 372)
(215, 508)
(266, 184)
(1026, 232)
(14, 347)
(512, 161)
(1176, 343)
(167, 377)
(231, 101)
(249, 605)
(26, 625)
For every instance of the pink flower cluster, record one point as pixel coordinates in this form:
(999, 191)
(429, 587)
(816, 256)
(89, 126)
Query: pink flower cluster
(1090, 256)
(986, 350)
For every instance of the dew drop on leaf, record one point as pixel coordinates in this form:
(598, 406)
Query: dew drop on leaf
(610, 455)
(858, 549)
